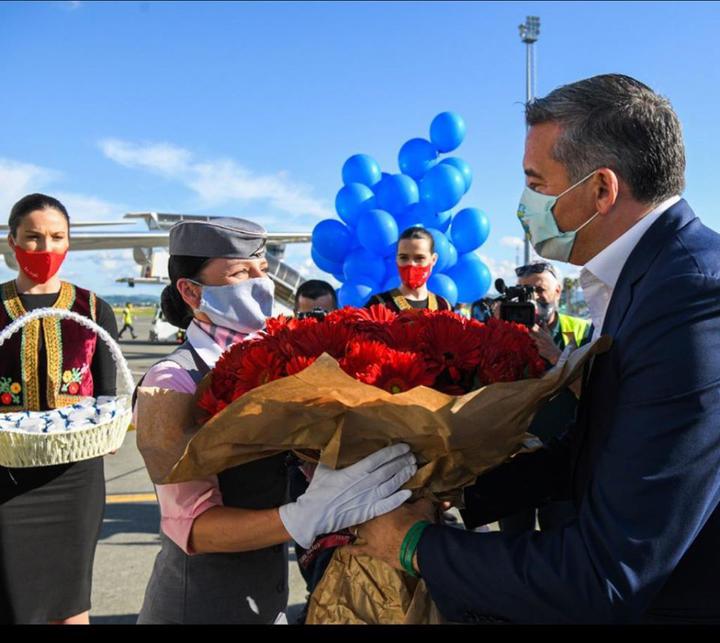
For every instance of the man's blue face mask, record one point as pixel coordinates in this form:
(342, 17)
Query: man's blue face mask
(537, 219)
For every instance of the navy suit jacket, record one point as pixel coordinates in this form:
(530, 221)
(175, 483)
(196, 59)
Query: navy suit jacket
(641, 463)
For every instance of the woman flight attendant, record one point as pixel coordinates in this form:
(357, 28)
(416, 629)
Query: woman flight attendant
(223, 556)
(50, 517)
(415, 258)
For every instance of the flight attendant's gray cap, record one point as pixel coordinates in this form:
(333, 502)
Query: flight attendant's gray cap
(231, 238)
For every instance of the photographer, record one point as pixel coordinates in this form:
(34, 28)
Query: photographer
(315, 295)
(552, 332)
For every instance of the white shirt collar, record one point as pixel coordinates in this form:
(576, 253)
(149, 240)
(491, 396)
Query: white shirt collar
(203, 344)
(609, 262)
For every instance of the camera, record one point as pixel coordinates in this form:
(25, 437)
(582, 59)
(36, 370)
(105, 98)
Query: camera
(316, 313)
(515, 303)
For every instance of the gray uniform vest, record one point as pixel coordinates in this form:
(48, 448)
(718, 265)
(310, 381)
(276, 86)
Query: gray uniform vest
(245, 587)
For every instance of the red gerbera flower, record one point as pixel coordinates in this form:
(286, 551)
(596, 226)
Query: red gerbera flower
(450, 344)
(298, 363)
(363, 358)
(508, 354)
(402, 371)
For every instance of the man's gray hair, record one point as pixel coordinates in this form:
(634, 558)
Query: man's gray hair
(617, 122)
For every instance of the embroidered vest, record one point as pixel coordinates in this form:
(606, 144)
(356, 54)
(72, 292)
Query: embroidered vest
(69, 350)
(395, 300)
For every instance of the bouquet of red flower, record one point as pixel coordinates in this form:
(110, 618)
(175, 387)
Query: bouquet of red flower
(459, 392)
(394, 352)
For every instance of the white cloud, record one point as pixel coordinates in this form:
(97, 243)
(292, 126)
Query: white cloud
(217, 181)
(18, 179)
(512, 242)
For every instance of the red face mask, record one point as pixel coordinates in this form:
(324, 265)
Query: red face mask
(414, 276)
(39, 266)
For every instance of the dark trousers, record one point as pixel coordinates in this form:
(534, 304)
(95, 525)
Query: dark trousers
(126, 327)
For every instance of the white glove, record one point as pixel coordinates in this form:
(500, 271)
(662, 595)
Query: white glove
(340, 498)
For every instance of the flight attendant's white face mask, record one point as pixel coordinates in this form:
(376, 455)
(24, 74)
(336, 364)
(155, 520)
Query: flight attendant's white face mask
(242, 307)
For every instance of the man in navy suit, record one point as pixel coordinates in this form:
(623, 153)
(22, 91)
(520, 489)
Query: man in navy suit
(604, 165)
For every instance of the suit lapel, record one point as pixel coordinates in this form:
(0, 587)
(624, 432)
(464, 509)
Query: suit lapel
(650, 245)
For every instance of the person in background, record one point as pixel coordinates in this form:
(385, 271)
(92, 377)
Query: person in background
(223, 556)
(554, 330)
(313, 297)
(127, 315)
(415, 258)
(552, 333)
(50, 516)
(482, 309)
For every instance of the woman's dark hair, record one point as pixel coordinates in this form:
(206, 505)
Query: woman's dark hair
(174, 308)
(418, 232)
(31, 202)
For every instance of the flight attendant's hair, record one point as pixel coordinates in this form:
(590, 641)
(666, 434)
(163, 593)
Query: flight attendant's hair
(174, 308)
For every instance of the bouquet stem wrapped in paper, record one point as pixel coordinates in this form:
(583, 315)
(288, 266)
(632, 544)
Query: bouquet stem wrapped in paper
(321, 412)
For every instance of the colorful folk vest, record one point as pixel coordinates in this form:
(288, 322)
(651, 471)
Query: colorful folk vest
(69, 350)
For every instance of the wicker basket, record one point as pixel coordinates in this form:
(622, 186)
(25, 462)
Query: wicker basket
(21, 449)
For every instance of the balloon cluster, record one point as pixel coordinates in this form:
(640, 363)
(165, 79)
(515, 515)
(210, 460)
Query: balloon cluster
(376, 207)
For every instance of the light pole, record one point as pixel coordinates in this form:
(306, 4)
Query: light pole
(529, 33)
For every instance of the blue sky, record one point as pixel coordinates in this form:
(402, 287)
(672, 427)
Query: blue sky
(250, 109)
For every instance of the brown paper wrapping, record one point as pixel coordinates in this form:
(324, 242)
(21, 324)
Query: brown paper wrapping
(323, 409)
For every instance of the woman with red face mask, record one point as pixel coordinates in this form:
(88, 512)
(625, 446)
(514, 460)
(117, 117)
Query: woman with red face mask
(50, 517)
(415, 258)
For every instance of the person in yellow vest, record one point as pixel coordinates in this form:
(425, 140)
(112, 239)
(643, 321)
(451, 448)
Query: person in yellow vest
(553, 332)
(127, 315)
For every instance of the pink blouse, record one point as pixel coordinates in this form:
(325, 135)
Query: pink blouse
(182, 502)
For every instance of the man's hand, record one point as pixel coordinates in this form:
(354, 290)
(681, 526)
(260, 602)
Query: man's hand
(382, 537)
(545, 343)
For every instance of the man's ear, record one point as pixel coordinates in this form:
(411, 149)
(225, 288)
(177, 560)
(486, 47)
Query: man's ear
(607, 187)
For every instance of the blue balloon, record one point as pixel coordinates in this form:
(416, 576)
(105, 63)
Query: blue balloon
(442, 187)
(332, 240)
(442, 248)
(439, 221)
(363, 266)
(361, 168)
(416, 157)
(470, 229)
(324, 264)
(396, 192)
(417, 214)
(471, 276)
(339, 276)
(452, 256)
(463, 167)
(352, 200)
(444, 286)
(447, 131)
(354, 294)
(377, 231)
